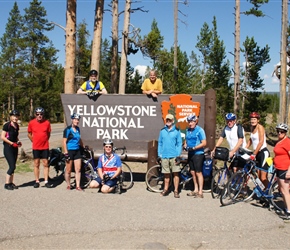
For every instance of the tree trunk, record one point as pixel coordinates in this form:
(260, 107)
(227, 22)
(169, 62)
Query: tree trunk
(114, 61)
(97, 40)
(237, 58)
(70, 47)
(124, 48)
(283, 59)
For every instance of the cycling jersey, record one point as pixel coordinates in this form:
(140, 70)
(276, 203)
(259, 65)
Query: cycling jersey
(109, 165)
(193, 138)
(40, 131)
(89, 86)
(73, 138)
(233, 135)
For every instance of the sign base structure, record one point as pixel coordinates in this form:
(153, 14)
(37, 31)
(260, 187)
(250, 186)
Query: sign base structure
(134, 120)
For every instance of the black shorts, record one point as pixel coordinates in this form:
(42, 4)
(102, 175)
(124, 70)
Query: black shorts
(40, 154)
(281, 174)
(196, 162)
(74, 154)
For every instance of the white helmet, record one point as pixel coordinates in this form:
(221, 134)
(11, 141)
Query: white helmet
(282, 126)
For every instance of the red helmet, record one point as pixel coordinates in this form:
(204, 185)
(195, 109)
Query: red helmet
(255, 115)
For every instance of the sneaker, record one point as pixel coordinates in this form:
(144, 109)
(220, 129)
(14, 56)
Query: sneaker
(36, 185)
(47, 185)
(14, 186)
(118, 189)
(8, 187)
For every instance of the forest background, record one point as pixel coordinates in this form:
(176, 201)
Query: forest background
(32, 75)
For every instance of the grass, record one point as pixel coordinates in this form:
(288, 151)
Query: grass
(24, 167)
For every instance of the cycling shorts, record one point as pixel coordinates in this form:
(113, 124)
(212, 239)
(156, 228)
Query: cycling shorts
(281, 174)
(196, 162)
(40, 154)
(74, 154)
(110, 183)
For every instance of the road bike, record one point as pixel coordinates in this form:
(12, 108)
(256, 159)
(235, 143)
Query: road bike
(244, 184)
(154, 177)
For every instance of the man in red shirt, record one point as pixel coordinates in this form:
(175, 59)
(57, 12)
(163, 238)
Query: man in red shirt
(39, 133)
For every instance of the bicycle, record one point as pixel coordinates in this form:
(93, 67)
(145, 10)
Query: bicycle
(154, 177)
(244, 184)
(56, 164)
(125, 180)
(221, 176)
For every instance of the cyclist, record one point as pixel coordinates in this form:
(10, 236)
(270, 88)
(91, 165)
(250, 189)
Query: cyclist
(195, 141)
(72, 144)
(92, 87)
(235, 135)
(258, 141)
(169, 147)
(39, 130)
(109, 169)
(9, 135)
(282, 164)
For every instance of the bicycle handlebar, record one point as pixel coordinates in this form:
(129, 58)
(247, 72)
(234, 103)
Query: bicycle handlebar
(123, 149)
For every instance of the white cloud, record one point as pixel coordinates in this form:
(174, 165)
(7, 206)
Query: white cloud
(141, 69)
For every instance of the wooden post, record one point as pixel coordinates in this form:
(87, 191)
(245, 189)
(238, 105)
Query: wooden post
(210, 117)
(152, 153)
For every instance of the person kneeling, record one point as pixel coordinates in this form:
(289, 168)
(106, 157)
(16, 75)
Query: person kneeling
(109, 168)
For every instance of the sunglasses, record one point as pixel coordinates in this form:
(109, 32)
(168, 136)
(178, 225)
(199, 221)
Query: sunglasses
(39, 114)
(280, 131)
(108, 146)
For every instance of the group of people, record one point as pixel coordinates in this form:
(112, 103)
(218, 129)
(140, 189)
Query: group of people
(151, 86)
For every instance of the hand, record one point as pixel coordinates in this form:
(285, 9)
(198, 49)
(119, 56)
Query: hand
(153, 94)
(87, 147)
(66, 156)
(106, 178)
(252, 157)
(14, 145)
(185, 148)
(19, 143)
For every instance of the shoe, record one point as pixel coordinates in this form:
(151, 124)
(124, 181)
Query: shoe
(36, 185)
(14, 186)
(285, 216)
(118, 189)
(199, 196)
(164, 193)
(192, 193)
(176, 195)
(47, 185)
(8, 187)
(79, 189)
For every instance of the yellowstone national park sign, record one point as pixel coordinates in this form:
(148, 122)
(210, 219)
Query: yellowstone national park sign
(133, 120)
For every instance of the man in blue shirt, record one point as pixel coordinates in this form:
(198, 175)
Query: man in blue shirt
(169, 147)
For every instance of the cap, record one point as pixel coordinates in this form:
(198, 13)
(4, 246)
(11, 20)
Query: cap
(169, 116)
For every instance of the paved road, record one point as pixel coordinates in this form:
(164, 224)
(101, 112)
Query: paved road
(56, 135)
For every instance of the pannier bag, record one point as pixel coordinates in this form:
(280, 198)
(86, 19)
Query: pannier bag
(221, 153)
(207, 167)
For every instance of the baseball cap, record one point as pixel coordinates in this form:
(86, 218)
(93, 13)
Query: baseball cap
(169, 116)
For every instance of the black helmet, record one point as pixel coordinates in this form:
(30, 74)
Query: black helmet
(93, 72)
(75, 116)
(14, 112)
(39, 110)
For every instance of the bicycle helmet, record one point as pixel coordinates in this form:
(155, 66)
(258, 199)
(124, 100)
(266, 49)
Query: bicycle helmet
(230, 116)
(75, 116)
(14, 112)
(282, 126)
(255, 115)
(192, 117)
(39, 110)
(108, 141)
(93, 72)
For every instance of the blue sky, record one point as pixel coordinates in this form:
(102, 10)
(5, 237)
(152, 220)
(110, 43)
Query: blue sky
(266, 30)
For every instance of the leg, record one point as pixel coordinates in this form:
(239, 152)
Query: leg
(195, 190)
(166, 181)
(78, 165)
(264, 178)
(94, 184)
(45, 169)
(67, 173)
(36, 164)
(199, 178)
(284, 188)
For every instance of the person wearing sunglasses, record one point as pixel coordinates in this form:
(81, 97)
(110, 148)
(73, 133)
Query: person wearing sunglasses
(282, 165)
(109, 168)
(258, 141)
(72, 145)
(9, 136)
(39, 130)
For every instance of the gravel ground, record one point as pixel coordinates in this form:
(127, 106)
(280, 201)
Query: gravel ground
(137, 219)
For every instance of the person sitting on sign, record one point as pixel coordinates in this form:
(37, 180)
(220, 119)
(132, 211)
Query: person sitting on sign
(92, 87)
(152, 85)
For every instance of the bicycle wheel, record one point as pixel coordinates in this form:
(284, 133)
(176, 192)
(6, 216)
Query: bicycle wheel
(219, 181)
(56, 169)
(87, 173)
(155, 179)
(126, 177)
(277, 199)
(225, 199)
(240, 187)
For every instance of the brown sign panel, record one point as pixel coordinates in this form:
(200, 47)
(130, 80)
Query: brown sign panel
(130, 120)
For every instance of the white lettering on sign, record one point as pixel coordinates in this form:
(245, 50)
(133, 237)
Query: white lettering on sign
(113, 121)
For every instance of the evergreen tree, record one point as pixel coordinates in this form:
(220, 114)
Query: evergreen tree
(134, 84)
